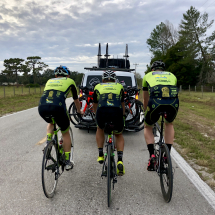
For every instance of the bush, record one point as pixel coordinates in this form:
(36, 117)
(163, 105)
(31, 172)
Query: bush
(32, 85)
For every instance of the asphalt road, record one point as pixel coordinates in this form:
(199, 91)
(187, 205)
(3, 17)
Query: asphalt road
(82, 190)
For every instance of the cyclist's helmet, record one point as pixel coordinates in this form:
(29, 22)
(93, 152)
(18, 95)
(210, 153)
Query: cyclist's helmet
(159, 64)
(62, 71)
(109, 75)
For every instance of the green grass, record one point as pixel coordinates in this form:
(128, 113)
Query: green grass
(18, 103)
(7, 91)
(11, 104)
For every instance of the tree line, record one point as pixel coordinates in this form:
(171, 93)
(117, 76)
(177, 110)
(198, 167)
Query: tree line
(31, 71)
(188, 51)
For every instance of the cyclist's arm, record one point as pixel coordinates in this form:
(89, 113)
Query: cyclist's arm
(145, 99)
(75, 97)
(78, 106)
(95, 105)
(95, 101)
(145, 93)
(123, 107)
(122, 101)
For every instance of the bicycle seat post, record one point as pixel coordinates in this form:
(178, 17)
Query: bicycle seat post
(164, 115)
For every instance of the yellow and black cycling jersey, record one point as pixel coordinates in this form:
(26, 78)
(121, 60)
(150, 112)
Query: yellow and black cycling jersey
(57, 90)
(160, 84)
(109, 94)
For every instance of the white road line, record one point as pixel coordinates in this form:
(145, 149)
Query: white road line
(18, 112)
(203, 188)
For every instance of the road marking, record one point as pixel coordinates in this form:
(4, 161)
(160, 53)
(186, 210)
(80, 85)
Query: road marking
(41, 141)
(203, 188)
(17, 112)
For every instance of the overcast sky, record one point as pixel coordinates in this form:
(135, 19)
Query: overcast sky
(67, 32)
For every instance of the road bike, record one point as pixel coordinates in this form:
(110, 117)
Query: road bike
(53, 163)
(109, 165)
(163, 164)
(134, 111)
(86, 101)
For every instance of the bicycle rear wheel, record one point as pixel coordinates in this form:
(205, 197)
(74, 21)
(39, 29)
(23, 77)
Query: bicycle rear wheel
(109, 175)
(50, 170)
(166, 176)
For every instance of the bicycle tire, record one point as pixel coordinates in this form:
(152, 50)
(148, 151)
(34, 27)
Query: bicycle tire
(136, 119)
(166, 176)
(109, 175)
(50, 167)
(72, 145)
(74, 118)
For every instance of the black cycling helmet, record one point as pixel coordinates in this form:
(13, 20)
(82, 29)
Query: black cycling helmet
(159, 64)
(62, 71)
(109, 75)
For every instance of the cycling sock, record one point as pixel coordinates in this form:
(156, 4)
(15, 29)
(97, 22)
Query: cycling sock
(151, 149)
(101, 152)
(49, 136)
(120, 154)
(67, 156)
(169, 146)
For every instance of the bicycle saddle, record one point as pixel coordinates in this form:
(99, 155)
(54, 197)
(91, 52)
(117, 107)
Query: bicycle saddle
(109, 127)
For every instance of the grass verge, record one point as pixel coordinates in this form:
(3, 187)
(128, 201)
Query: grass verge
(18, 103)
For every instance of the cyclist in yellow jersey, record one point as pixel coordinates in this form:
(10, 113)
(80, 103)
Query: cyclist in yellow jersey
(109, 106)
(53, 103)
(160, 94)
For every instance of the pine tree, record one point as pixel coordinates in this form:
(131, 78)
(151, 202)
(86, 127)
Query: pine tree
(36, 65)
(12, 67)
(196, 46)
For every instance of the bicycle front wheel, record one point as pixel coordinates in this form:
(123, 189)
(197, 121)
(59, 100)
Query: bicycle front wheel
(50, 170)
(109, 175)
(72, 146)
(166, 176)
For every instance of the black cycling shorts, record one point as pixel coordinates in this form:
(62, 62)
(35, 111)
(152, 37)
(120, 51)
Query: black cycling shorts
(59, 113)
(157, 105)
(110, 114)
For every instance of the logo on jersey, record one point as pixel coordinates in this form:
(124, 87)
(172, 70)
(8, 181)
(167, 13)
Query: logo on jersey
(110, 96)
(51, 94)
(109, 103)
(165, 92)
(160, 76)
(47, 101)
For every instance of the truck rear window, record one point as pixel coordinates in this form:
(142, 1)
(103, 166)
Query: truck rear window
(124, 80)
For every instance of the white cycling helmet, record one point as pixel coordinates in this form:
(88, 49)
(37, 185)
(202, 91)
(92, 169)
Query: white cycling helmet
(109, 75)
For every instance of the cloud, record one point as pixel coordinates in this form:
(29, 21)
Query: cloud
(65, 31)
